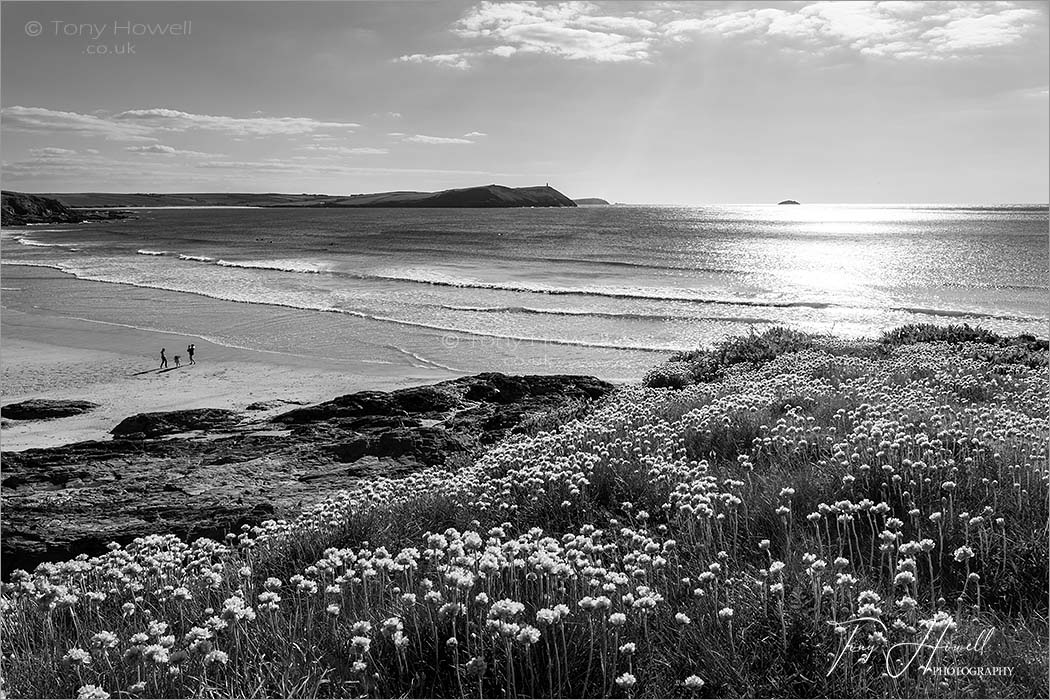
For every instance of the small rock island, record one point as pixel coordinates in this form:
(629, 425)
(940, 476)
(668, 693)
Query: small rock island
(788, 201)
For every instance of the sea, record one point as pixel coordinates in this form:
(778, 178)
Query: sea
(609, 290)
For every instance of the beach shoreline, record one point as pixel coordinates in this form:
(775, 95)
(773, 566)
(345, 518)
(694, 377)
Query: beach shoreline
(47, 356)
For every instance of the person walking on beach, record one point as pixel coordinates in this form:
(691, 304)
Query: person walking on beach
(163, 359)
(189, 351)
(177, 361)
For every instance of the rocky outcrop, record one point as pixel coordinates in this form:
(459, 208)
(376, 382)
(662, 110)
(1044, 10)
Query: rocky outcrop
(271, 404)
(19, 209)
(63, 501)
(149, 425)
(591, 202)
(45, 409)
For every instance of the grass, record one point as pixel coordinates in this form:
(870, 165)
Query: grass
(774, 532)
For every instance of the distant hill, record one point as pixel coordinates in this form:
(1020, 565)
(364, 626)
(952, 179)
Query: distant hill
(19, 209)
(192, 199)
(487, 196)
(788, 201)
(591, 202)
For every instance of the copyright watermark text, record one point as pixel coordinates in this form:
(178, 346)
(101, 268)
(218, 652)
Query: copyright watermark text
(120, 33)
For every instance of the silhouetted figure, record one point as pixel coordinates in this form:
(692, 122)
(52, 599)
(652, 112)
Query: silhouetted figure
(177, 362)
(163, 359)
(189, 351)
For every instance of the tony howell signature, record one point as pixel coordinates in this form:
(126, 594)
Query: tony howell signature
(923, 650)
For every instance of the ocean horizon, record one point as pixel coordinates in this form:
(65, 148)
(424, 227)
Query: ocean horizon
(608, 290)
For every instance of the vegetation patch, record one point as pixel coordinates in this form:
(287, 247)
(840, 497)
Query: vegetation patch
(783, 531)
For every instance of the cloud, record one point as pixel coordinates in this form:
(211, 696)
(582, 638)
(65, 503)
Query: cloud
(420, 138)
(472, 134)
(160, 149)
(308, 167)
(1034, 93)
(970, 31)
(147, 125)
(897, 30)
(459, 61)
(52, 152)
(348, 150)
(615, 33)
(570, 30)
(41, 120)
(162, 119)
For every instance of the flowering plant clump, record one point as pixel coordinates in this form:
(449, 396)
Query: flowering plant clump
(794, 520)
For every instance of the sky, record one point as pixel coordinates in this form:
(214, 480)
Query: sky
(639, 102)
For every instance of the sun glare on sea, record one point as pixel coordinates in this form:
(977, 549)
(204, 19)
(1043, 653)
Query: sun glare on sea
(831, 252)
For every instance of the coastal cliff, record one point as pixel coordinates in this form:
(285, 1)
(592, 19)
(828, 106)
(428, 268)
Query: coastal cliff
(19, 209)
(487, 196)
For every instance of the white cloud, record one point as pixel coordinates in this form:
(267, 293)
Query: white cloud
(978, 31)
(348, 150)
(51, 121)
(160, 149)
(1035, 93)
(162, 119)
(146, 125)
(459, 61)
(614, 33)
(277, 165)
(420, 138)
(571, 30)
(472, 134)
(51, 152)
(932, 30)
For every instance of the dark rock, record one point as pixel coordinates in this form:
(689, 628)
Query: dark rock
(43, 409)
(273, 403)
(788, 201)
(63, 501)
(167, 422)
(18, 209)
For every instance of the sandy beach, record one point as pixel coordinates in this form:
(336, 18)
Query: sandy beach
(45, 356)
